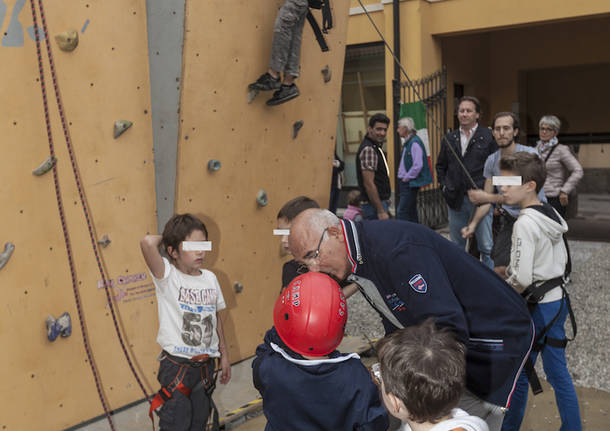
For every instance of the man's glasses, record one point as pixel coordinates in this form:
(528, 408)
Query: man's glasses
(313, 255)
(546, 129)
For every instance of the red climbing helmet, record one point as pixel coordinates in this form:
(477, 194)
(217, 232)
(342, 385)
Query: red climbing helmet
(310, 314)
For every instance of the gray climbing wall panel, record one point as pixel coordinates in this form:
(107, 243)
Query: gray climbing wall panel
(165, 39)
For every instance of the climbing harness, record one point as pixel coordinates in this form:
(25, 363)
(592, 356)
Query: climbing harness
(207, 383)
(327, 21)
(533, 294)
(62, 216)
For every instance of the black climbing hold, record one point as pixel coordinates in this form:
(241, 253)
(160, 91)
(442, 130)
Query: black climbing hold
(238, 287)
(296, 127)
(104, 241)
(326, 73)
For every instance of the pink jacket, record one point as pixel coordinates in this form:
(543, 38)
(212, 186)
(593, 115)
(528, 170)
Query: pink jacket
(563, 172)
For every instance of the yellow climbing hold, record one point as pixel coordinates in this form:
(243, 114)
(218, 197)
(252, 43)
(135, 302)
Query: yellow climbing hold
(67, 40)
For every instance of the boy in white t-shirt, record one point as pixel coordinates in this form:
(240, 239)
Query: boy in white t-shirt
(190, 332)
(421, 375)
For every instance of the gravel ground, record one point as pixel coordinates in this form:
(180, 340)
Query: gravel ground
(589, 354)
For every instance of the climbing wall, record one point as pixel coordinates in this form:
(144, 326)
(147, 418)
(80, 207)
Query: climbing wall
(49, 385)
(227, 46)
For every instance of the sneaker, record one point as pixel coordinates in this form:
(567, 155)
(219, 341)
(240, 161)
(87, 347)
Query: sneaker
(284, 94)
(265, 82)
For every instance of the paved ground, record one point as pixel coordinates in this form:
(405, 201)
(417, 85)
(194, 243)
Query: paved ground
(588, 356)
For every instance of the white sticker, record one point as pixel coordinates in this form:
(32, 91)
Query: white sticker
(506, 180)
(197, 245)
(281, 232)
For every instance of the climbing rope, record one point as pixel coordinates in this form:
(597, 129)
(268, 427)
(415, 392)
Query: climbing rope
(418, 95)
(84, 206)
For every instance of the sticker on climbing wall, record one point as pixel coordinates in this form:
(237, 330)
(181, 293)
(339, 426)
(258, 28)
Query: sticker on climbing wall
(197, 245)
(123, 289)
(281, 232)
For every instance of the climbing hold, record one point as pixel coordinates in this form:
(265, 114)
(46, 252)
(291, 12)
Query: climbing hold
(67, 40)
(238, 287)
(261, 198)
(120, 126)
(213, 165)
(62, 326)
(45, 166)
(326, 73)
(296, 127)
(6, 254)
(104, 241)
(252, 95)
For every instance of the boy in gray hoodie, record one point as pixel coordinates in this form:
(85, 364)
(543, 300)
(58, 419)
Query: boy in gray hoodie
(537, 266)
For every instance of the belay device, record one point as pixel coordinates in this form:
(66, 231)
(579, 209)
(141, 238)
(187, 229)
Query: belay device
(327, 21)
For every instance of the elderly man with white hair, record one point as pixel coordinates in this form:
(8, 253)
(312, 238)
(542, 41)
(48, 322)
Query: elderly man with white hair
(413, 172)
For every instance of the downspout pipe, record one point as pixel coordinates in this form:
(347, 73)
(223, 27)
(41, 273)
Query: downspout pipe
(396, 100)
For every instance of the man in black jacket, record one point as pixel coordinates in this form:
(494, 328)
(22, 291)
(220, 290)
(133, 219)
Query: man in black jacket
(472, 144)
(372, 170)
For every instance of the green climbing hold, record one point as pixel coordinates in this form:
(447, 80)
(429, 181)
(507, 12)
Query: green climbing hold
(45, 166)
(9, 247)
(67, 40)
(261, 198)
(120, 126)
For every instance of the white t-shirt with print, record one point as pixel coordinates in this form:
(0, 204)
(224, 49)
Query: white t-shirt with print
(187, 307)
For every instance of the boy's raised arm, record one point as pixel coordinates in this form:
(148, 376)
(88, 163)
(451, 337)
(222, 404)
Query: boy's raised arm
(150, 250)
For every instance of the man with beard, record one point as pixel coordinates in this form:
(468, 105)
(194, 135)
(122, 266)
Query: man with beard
(506, 133)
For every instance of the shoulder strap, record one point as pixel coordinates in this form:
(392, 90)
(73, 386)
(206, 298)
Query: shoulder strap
(327, 17)
(373, 297)
(569, 262)
(316, 31)
(550, 152)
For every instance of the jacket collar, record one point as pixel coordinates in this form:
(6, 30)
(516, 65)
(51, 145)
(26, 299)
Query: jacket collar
(352, 244)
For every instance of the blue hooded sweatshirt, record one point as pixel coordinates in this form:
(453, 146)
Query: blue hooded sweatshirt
(420, 274)
(331, 394)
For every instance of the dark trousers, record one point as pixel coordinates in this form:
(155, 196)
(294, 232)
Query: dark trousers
(334, 199)
(407, 207)
(554, 202)
(182, 413)
(503, 232)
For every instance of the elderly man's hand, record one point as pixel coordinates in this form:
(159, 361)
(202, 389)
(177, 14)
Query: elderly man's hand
(478, 196)
(563, 199)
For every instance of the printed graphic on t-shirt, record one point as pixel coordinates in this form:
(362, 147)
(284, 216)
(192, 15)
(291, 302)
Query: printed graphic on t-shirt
(197, 323)
(196, 331)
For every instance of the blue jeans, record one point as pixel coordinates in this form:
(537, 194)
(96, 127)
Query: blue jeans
(407, 207)
(459, 219)
(369, 212)
(556, 369)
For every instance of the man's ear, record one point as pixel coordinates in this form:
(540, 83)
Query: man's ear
(531, 186)
(335, 231)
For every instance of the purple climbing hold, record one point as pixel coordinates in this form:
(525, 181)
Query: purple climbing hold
(62, 326)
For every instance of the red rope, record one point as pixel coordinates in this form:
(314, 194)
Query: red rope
(64, 227)
(84, 206)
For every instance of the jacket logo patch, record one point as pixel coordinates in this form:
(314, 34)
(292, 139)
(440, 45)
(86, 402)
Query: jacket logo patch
(395, 303)
(418, 284)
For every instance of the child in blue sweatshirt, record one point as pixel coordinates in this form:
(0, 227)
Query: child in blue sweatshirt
(305, 383)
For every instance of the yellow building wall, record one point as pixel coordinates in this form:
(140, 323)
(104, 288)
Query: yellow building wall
(49, 386)
(223, 53)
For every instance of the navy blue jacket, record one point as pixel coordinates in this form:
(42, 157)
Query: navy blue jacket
(332, 394)
(421, 274)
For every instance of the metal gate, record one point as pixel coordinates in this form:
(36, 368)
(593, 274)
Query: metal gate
(432, 91)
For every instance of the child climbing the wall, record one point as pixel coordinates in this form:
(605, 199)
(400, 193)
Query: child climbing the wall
(305, 383)
(285, 53)
(287, 213)
(190, 331)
